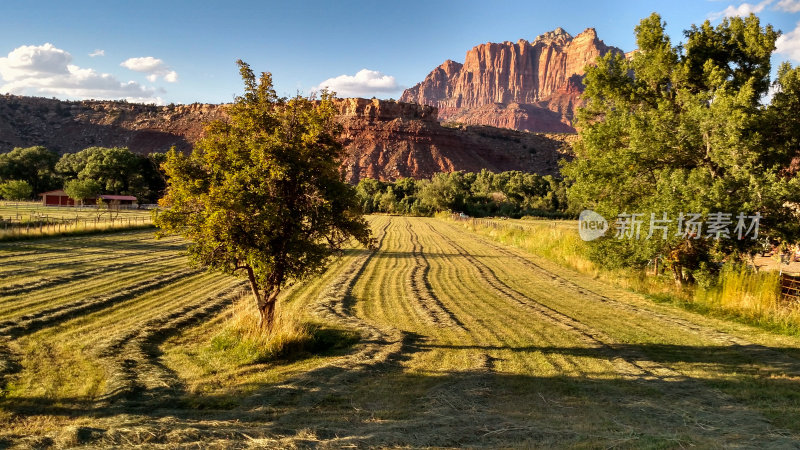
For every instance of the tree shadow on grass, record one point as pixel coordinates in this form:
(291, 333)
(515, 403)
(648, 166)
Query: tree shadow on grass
(386, 404)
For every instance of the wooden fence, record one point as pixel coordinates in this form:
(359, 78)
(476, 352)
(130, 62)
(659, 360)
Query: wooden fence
(790, 287)
(43, 225)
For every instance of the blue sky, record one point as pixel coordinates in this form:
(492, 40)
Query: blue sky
(185, 51)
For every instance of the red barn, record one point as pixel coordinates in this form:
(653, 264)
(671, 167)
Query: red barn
(56, 198)
(60, 198)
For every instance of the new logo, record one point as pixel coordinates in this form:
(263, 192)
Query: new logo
(591, 225)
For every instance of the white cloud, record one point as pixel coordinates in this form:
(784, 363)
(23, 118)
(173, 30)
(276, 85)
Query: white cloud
(34, 61)
(742, 10)
(153, 67)
(365, 83)
(789, 44)
(45, 70)
(98, 52)
(791, 6)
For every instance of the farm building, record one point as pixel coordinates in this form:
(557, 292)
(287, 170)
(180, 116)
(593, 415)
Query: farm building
(115, 201)
(56, 198)
(60, 198)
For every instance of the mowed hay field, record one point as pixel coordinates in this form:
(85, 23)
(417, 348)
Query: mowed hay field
(113, 340)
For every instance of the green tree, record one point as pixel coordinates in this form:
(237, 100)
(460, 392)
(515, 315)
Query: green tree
(680, 129)
(447, 191)
(16, 190)
(80, 190)
(388, 201)
(366, 191)
(261, 193)
(34, 165)
(118, 170)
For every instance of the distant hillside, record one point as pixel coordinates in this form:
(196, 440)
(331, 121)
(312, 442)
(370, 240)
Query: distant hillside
(384, 140)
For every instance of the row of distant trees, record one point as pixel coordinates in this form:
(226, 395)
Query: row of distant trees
(485, 193)
(26, 172)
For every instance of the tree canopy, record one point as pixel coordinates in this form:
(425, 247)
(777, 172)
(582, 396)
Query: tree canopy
(261, 193)
(511, 193)
(80, 190)
(34, 165)
(117, 170)
(15, 190)
(681, 129)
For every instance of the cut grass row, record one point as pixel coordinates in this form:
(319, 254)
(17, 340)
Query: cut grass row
(739, 293)
(464, 341)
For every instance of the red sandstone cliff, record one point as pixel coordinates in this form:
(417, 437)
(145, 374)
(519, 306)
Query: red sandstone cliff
(389, 140)
(532, 86)
(383, 139)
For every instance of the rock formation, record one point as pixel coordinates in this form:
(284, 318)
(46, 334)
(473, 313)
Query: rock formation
(533, 86)
(388, 140)
(67, 127)
(384, 139)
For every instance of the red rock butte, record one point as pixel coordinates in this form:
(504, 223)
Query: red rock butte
(530, 86)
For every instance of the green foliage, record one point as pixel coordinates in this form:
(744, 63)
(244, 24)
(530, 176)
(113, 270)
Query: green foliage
(117, 170)
(262, 192)
(34, 165)
(80, 190)
(511, 193)
(681, 129)
(16, 190)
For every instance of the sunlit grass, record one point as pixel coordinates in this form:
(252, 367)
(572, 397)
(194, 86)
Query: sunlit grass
(30, 220)
(534, 357)
(740, 292)
(243, 340)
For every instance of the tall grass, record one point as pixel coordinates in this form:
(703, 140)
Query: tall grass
(753, 296)
(739, 293)
(70, 229)
(244, 341)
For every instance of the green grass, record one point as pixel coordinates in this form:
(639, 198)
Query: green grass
(740, 294)
(442, 337)
(29, 220)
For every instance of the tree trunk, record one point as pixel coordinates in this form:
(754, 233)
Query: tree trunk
(264, 300)
(253, 285)
(267, 309)
(677, 272)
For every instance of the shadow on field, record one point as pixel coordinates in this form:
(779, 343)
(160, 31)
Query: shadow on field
(110, 241)
(727, 358)
(385, 404)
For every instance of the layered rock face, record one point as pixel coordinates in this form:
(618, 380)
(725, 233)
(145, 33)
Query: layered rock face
(533, 86)
(383, 139)
(67, 127)
(389, 140)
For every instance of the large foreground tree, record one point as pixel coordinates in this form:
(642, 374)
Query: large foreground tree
(682, 129)
(261, 194)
